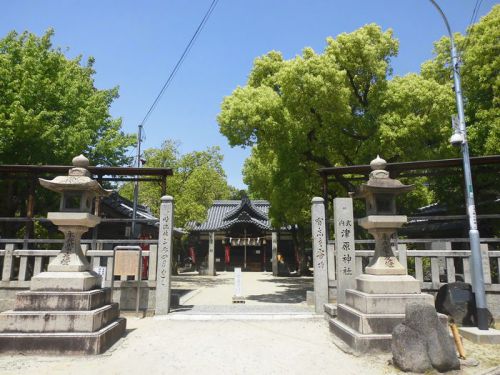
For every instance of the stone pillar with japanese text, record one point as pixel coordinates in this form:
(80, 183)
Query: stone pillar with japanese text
(165, 241)
(318, 222)
(344, 245)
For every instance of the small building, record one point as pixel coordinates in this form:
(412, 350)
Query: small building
(242, 236)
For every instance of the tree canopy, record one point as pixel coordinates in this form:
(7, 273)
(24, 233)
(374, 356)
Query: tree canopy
(198, 180)
(343, 107)
(50, 109)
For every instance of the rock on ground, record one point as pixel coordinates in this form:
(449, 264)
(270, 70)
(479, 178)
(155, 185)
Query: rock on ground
(421, 342)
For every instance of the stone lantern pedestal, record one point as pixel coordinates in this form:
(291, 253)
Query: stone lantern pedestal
(65, 311)
(372, 310)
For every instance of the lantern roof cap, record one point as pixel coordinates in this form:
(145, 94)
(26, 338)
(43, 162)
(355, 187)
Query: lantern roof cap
(78, 179)
(380, 181)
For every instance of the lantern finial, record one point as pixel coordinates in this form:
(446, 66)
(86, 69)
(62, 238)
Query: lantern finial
(378, 163)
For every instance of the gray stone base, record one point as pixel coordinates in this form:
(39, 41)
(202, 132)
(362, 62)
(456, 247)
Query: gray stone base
(66, 281)
(474, 334)
(383, 303)
(366, 321)
(385, 284)
(63, 343)
(67, 301)
(55, 322)
(58, 321)
(360, 343)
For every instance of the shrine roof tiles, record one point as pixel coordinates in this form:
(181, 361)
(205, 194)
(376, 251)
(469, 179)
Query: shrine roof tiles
(225, 213)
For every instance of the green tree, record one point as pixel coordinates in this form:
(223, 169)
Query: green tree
(198, 180)
(50, 111)
(480, 65)
(332, 108)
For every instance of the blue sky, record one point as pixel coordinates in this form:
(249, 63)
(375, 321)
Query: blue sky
(137, 43)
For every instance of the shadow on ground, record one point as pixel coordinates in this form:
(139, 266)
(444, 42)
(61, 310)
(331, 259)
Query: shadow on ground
(199, 281)
(295, 291)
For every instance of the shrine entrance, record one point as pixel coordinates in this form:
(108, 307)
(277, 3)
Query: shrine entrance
(238, 234)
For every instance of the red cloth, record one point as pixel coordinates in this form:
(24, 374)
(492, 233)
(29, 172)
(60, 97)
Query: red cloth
(228, 254)
(192, 254)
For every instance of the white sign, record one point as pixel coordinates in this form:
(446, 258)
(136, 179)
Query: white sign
(101, 271)
(237, 282)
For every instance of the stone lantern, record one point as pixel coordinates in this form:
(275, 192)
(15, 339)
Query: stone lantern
(78, 194)
(382, 220)
(65, 310)
(371, 311)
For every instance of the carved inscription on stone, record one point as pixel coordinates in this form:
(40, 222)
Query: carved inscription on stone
(320, 249)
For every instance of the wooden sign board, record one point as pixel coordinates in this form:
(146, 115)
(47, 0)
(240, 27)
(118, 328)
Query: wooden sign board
(126, 262)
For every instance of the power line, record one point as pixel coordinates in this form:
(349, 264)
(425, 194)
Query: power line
(181, 59)
(473, 20)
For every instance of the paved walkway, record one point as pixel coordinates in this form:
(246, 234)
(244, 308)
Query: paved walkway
(261, 290)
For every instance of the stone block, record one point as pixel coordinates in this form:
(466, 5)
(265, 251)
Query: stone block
(387, 284)
(331, 310)
(68, 301)
(57, 321)
(384, 303)
(474, 334)
(66, 281)
(360, 343)
(63, 343)
(368, 323)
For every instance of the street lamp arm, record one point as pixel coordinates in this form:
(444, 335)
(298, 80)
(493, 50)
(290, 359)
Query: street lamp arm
(445, 20)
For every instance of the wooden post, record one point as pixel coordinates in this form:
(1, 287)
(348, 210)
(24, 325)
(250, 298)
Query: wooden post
(274, 252)
(211, 254)
(153, 257)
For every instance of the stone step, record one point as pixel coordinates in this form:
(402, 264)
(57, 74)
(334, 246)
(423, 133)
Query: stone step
(63, 343)
(360, 343)
(58, 321)
(67, 301)
(368, 323)
(384, 303)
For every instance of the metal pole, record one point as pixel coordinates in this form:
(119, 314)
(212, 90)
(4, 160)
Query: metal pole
(136, 184)
(477, 266)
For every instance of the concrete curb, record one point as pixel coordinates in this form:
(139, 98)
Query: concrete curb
(202, 317)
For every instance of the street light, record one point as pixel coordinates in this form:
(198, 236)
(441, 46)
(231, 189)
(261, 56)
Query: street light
(460, 138)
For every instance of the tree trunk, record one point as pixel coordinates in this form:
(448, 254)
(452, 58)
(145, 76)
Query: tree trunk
(299, 242)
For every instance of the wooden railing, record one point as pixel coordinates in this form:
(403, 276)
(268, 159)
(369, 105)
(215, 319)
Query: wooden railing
(439, 264)
(19, 265)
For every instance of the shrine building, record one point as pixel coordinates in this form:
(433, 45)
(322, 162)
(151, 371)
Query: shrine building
(238, 233)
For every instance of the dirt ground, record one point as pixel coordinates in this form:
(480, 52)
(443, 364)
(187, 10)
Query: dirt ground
(154, 346)
(188, 342)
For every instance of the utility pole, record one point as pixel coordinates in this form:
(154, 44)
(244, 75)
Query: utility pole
(460, 138)
(136, 183)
